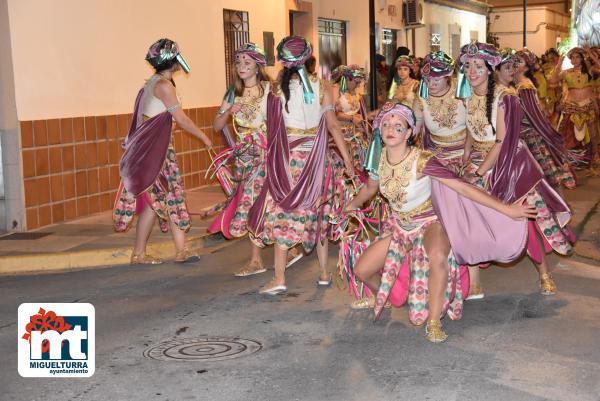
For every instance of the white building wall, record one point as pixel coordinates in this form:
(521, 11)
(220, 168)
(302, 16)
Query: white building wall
(544, 27)
(464, 21)
(79, 58)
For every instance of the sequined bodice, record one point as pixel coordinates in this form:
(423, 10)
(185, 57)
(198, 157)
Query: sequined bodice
(445, 117)
(399, 182)
(406, 93)
(253, 113)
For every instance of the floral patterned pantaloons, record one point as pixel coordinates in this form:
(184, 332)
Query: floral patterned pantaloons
(250, 172)
(407, 266)
(286, 229)
(166, 197)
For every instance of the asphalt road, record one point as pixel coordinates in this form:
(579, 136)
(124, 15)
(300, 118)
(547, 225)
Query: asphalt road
(513, 345)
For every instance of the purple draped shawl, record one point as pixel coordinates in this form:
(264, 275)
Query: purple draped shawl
(476, 233)
(146, 147)
(516, 171)
(552, 139)
(308, 188)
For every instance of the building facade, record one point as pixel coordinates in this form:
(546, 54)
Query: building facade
(70, 71)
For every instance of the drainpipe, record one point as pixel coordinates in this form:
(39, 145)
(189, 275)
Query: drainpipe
(524, 23)
(372, 52)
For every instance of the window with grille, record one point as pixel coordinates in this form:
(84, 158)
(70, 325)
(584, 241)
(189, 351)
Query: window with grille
(237, 32)
(332, 45)
(436, 38)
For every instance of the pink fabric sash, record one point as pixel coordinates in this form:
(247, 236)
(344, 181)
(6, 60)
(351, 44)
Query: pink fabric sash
(552, 139)
(477, 233)
(305, 194)
(146, 147)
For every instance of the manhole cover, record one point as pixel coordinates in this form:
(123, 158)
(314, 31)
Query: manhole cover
(203, 349)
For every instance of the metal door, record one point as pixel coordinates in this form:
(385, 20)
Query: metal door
(332, 45)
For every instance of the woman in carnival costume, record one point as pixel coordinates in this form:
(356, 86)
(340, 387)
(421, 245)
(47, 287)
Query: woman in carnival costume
(544, 142)
(351, 110)
(246, 103)
(553, 89)
(578, 122)
(441, 117)
(293, 206)
(403, 87)
(495, 159)
(412, 259)
(151, 185)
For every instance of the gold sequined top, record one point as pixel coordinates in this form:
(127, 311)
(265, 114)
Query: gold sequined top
(407, 193)
(445, 118)
(405, 93)
(253, 112)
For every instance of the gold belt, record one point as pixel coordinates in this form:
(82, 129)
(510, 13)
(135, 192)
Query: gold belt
(483, 146)
(302, 132)
(450, 138)
(406, 217)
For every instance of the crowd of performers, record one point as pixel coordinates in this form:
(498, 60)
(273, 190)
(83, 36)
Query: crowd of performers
(461, 166)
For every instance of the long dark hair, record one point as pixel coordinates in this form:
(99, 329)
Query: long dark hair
(529, 74)
(584, 69)
(286, 76)
(489, 96)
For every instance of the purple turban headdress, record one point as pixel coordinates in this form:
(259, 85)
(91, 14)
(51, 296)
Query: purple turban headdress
(405, 61)
(397, 109)
(530, 59)
(254, 52)
(164, 50)
(292, 52)
(435, 64)
(343, 73)
(373, 154)
(508, 55)
(475, 50)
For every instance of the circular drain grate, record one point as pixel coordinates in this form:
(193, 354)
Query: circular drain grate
(203, 349)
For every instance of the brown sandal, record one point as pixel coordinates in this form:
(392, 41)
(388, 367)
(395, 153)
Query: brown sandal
(185, 256)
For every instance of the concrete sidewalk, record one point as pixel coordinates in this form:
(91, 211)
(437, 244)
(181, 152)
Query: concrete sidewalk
(91, 241)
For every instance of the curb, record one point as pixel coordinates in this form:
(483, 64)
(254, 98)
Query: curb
(103, 257)
(65, 261)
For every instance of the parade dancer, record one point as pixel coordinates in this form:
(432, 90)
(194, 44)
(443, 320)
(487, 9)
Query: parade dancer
(246, 103)
(496, 160)
(292, 208)
(578, 122)
(151, 185)
(441, 117)
(413, 250)
(351, 110)
(544, 142)
(403, 87)
(553, 89)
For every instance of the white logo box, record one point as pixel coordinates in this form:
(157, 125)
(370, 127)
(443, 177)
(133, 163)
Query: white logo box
(78, 363)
